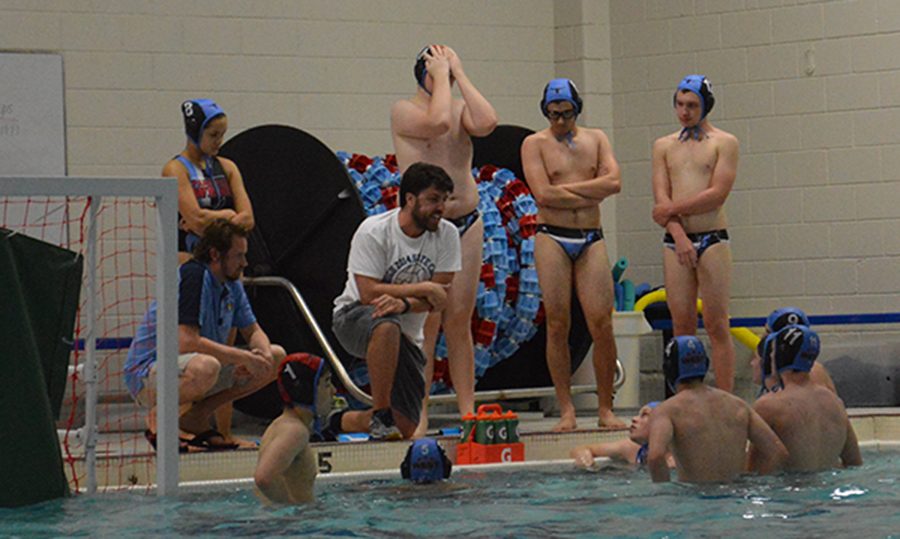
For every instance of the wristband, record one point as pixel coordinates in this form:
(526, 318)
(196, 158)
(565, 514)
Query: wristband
(406, 306)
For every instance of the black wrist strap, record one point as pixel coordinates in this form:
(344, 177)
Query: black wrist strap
(406, 305)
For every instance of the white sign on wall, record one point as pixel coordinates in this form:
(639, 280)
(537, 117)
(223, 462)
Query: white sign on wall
(33, 140)
(32, 115)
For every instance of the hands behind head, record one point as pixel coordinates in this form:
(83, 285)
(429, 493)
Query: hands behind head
(455, 62)
(437, 60)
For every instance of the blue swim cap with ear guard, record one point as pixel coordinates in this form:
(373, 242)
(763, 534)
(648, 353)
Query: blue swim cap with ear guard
(425, 462)
(787, 316)
(561, 90)
(792, 347)
(701, 86)
(197, 115)
(419, 69)
(684, 359)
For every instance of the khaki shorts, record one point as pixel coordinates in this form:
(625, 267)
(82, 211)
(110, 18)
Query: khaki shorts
(225, 380)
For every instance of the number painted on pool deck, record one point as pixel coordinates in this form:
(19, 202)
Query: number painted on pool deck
(324, 464)
(506, 454)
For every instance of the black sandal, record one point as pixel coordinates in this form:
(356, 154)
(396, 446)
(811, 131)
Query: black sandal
(183, 443)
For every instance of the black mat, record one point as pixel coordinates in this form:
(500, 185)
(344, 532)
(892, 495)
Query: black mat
(306, 211)
(501, 148)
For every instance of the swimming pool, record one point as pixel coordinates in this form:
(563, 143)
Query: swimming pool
(543, 502)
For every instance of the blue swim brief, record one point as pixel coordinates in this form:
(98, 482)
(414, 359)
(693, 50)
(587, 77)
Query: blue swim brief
(574, 241)
(701, 240)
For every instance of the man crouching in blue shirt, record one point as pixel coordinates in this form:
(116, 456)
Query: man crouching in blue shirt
(211, 301)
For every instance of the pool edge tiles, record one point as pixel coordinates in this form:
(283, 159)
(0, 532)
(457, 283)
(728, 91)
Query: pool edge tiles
(124, 471)
(887, 428)
(879, 428)
(864, 426)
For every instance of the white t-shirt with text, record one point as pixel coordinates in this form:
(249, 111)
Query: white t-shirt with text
(381, 250)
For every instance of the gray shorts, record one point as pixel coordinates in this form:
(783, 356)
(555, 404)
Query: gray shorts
(353, 326)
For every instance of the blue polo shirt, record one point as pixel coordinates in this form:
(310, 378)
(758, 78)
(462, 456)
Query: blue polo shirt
(215, 307)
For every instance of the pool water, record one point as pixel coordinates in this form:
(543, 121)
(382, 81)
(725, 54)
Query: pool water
(546, 502)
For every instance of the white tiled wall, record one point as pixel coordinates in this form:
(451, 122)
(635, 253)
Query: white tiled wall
(331, 68)
(812, 90)
(583, 53)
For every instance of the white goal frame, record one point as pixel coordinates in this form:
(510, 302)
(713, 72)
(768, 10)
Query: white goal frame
(164, 191)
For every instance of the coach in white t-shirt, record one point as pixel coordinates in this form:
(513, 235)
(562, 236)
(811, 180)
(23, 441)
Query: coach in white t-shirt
(401, 264)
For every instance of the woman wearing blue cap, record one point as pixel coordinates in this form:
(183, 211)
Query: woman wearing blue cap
(209, 187)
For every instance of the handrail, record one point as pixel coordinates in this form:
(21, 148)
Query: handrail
(336, 365)
(361, 395)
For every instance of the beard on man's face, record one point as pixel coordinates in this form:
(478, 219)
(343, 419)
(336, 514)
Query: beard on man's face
(427, 221)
